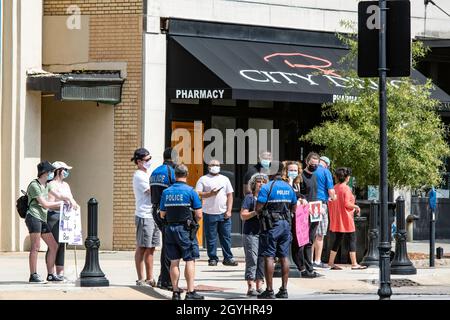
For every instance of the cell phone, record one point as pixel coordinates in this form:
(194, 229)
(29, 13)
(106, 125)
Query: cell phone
(219, 189)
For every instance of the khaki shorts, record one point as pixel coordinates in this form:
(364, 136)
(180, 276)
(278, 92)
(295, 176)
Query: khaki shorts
(323, 224)
(147, 233)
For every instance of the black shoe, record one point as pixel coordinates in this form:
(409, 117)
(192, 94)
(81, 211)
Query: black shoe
(35, 278)
(165, 286)
(54, 278)
(176, 295)
(230, 262)
(282, 293)
(193, 296)
(268, 294)
(310, 275)
(212, 263)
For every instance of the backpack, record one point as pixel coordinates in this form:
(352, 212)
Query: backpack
(22, 204)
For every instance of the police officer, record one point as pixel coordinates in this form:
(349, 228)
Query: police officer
(162, 178)
(275, 204)
(182, 208)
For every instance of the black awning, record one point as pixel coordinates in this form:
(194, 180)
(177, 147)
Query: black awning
(209, 68)
(104, 87)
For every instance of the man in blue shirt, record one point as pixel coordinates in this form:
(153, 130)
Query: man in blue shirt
(325, 191)
(280, 200)
(182, 209)
(162, 178)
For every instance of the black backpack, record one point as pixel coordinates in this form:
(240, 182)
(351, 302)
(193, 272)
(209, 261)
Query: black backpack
(22, 203)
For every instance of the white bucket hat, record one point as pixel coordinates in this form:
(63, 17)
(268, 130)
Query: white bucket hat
(60, 164)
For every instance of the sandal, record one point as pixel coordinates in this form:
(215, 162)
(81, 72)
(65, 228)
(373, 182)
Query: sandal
(359, 267)
(335, 267)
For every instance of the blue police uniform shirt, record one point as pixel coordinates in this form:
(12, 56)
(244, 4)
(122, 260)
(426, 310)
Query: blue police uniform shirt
(281, 196)
(324, 183)
(178, 201)
(159, 181)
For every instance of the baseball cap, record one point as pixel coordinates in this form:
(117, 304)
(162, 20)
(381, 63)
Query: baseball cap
(326, 159)
(60, 164)
(140, 154)
(44, 167)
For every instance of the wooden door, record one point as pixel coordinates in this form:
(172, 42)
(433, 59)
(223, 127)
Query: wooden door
(191, 155)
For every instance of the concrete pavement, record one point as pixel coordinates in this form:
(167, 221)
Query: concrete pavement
(221, 282)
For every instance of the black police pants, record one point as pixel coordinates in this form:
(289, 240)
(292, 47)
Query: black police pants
(164, 275)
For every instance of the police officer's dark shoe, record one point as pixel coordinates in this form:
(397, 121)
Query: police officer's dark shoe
(193, 296)
(176, 295)
(165, 286)
(282, 293)
(267, 294)
(230, 262)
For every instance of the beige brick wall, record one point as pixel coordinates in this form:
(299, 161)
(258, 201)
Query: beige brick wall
(116, 35)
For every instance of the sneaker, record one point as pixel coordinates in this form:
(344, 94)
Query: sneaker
(252, 292)
(212, 263)
(165, 286)
(230, 262)
(321, 265)
(54, 278)
(193, 296)
(141, 283)
(151, 283)
(310, 275)
(268, 294)
(35, 278)
(176, 295)
(282, 293)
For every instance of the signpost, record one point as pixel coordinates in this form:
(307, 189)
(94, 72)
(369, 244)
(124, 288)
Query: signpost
(374, 20)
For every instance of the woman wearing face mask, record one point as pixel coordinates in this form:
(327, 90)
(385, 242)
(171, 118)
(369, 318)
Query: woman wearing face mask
(36, 221)
(59, 191)
(292, 174)
(254, 265)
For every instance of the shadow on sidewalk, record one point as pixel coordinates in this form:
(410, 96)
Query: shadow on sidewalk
(149, 291)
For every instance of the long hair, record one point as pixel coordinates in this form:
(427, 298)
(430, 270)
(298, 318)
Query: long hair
(284, 174)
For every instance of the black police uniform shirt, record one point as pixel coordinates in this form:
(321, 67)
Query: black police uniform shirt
(281, 197)
(160, 180)
(178, 201)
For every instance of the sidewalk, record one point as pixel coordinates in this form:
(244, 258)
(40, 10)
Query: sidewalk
(220, 282)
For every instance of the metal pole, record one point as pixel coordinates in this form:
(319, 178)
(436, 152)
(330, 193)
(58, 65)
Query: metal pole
(432, 237)
(372, 257)
(384, 291)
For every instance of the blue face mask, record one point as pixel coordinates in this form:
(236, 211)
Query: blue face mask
(51, 175)
(65, 174)
(265, 163)
(292, 174)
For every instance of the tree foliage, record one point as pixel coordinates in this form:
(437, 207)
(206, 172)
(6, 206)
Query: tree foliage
(416, 134)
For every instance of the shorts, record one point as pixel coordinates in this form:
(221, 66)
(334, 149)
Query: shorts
(36, 225)
(147, 233)
(276, 241)
(323, 223)
(178, 244)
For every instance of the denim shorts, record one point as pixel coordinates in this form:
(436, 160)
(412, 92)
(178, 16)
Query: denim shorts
(276, 241)
(178, 245)
(35, 225)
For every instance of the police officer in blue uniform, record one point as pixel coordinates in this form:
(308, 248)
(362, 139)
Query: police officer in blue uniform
(275, 205)
(162, 178)
(182, 209)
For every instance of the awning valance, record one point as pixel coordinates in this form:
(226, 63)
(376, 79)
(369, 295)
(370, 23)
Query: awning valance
(209, 68)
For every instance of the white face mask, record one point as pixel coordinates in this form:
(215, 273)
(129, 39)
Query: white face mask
(214, 169)
(147, 164)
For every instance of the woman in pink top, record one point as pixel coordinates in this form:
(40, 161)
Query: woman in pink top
(341, 218)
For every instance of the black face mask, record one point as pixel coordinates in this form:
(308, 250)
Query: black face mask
(312, 167)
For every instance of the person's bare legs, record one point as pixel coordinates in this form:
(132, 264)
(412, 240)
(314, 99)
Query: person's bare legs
(250, 284)
(353, 259)
(259, 283)
(332, 258)
(268, 272)
(175, 274)
(189, 274)
(35, 239)
(284, 271)
(148, 260)
(52, 249)
(318, 247)
(139, 261)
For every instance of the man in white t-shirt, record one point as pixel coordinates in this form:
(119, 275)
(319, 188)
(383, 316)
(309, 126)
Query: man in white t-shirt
(217, 196)
(147, 233)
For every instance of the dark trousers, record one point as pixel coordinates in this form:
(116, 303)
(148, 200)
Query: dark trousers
(302, 256)
(53, 224)
(164, 274)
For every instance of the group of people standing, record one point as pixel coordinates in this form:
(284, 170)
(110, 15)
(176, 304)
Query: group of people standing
(46, 195)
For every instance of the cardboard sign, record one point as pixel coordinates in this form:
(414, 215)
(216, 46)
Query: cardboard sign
(315, 210)
(70, 226)
(302, 224)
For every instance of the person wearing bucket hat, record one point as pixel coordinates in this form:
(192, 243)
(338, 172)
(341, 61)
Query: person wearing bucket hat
(59, 191)
(36, 221)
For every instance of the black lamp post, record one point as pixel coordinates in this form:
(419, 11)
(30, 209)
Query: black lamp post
(401, 263)
(92, 275)
(372, 257)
